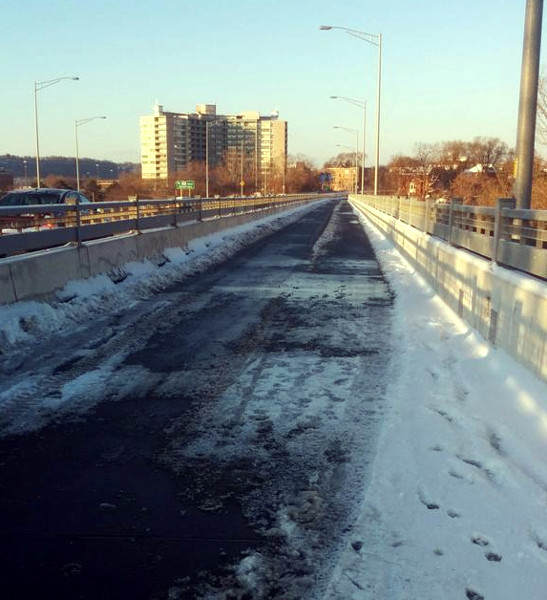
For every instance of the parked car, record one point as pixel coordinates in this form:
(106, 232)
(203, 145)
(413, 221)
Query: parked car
(33, 199)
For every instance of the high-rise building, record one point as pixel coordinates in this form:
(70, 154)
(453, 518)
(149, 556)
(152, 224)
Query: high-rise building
(252, 145)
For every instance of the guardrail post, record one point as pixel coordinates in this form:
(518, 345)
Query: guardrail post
(138, 206)
(453, 202)
(498, 230)
(428, 202)
(78, 223)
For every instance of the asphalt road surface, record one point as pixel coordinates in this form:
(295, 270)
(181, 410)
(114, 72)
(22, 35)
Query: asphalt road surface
(227, 449)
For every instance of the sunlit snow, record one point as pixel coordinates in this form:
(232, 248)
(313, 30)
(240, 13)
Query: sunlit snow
(455, 507)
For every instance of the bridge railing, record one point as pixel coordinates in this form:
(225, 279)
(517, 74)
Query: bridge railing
(28, 228)
(510, 237)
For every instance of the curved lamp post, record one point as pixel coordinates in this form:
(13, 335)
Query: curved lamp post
(362, 105)
(40, 85)
(356, 131)
(376, 40)
(77, 124)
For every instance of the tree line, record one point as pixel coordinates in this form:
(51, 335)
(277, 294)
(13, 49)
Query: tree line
(479, 171)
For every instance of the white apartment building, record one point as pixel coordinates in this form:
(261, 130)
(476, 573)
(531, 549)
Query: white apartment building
(253, 143)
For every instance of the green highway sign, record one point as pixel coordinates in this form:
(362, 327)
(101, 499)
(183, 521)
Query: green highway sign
(183, 184)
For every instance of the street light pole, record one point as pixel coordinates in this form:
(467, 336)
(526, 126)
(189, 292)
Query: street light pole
(356, 131)
(362, 105)
(376, 40)
(40, 85)
(77, 124)
(241, 181)
(526, 129)
(207, 159)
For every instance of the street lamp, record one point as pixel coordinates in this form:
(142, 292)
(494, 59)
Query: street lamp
(376, 40)
(77, 124)
(241, 181)
(356, 131)
(40, 85)
(362, 105)
(207, 159)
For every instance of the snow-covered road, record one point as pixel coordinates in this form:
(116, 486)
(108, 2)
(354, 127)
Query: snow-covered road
(256, 388)
(343, 437)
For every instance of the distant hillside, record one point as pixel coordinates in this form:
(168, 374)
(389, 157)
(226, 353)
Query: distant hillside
(64, 166)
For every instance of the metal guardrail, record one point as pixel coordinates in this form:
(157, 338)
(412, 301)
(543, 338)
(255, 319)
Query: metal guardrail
(510, 237)
(29, 228)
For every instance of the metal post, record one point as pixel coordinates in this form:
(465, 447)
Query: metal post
(241, 181)
(207, 159)
(453, 202)
(36, 135)
(522, 188)
(138, 214)
(78, 222)
(364, 147)
(376, 40)
(357, 164)
(377, 165)
(77, 124)
(498, 233)
(77, 154)
(427, 212)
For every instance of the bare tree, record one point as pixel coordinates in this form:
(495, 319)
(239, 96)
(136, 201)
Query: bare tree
(427, 157)
(344, 159)
(541, 122)
(454, 155)
(488, 152)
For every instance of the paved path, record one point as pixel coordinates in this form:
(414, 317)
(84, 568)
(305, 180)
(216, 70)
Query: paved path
(238, 417)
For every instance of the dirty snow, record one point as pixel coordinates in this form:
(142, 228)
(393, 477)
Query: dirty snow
(455, 507)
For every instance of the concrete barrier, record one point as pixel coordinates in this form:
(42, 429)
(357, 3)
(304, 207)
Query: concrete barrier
(45, 272)
(7, 291)
(507, 308)
(40, 275)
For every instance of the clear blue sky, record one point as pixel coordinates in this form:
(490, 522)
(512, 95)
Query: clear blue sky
(451, 70)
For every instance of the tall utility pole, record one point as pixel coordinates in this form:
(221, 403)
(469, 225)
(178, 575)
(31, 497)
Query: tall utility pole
(529, 79)
(376, 40)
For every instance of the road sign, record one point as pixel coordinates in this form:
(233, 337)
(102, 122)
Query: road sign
(185, 184)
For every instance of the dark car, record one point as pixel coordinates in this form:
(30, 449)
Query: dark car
(33, 199)
(43, 196)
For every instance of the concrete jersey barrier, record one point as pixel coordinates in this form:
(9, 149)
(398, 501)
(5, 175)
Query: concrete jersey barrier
(40, 275)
